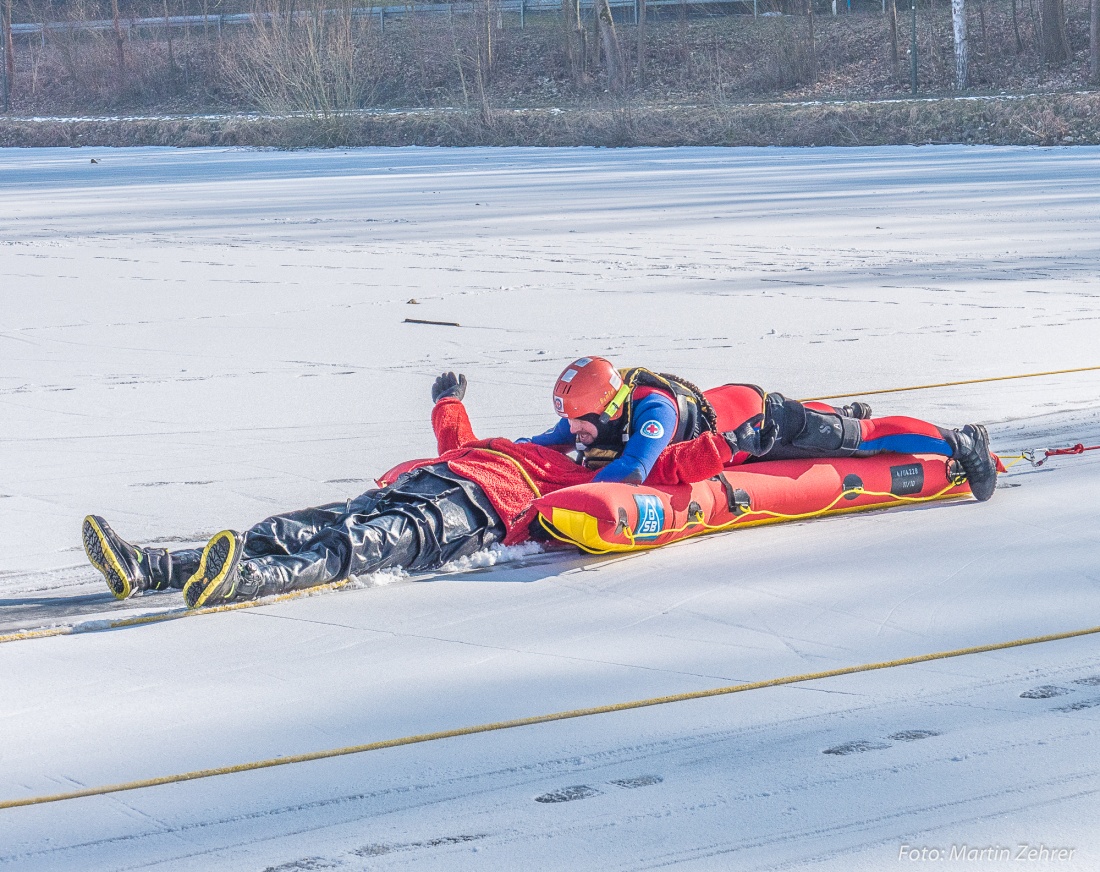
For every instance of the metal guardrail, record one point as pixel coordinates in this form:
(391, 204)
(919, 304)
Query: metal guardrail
(518, 7)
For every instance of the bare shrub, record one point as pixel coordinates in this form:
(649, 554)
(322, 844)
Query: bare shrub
(85, 57)
(317, 60)
(786, 61)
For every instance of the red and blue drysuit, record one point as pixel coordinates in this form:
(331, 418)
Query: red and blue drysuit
(653, 428)
(654, 423)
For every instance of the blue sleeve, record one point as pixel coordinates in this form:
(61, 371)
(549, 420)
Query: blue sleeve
(654, 426)
(559, 434)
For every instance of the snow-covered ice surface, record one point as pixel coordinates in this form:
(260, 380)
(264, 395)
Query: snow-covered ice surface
(193, 340)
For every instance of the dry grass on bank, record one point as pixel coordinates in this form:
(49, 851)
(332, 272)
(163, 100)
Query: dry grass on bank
(1042, 120)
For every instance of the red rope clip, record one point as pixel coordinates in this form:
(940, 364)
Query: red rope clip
(1033, 453)
(1079, 448)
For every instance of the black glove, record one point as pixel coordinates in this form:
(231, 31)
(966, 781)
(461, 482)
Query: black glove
(751, 437)
(759, 434)
(449, 385)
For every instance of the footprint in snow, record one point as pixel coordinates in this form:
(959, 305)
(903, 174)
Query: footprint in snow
(640, 781)
(856, 747)
(1047, 691)
(377, 849)
(1079, 705)
(912, 735)
(583, 791)
(568, 794)
(305, 863)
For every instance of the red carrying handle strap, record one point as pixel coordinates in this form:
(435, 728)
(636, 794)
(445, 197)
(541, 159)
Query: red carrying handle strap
(1079, 448)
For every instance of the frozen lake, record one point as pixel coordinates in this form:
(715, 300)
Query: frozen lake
(196, 339)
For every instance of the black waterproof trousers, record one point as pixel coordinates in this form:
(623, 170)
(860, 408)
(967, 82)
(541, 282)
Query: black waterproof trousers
(426, 518)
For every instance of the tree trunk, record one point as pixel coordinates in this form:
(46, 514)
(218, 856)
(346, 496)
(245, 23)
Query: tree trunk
(119, 41)
(962, 53)
(574, 39)
(1094, 40)
(1016, 30)
(683, 48)
(168, 36)
(1036, 30)
(895, 61)
(487, 57)
(913, 48)
(483, 92)
(933, 55)
(642, 45)
(7, 49)
(813, 43)
(1055, 45)
(609, 43)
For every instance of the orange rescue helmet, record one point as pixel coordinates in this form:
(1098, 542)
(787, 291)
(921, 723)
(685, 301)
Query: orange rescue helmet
(588, 386)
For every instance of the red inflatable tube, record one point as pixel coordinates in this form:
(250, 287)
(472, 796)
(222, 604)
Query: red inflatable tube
(622, 517)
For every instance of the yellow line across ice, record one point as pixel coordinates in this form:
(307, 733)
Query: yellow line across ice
(535, 719)
(969, 381)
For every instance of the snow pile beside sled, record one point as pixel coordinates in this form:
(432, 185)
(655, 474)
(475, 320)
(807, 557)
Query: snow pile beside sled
(623, 517)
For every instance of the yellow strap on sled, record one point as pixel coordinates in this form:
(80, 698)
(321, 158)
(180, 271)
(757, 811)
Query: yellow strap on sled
(582, 530)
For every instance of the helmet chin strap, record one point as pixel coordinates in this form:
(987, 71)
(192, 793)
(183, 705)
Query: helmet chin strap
(603, 430)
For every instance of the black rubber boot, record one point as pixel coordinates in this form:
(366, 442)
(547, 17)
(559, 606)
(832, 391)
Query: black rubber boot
(859, 411)
(971, 445)
(128, 568)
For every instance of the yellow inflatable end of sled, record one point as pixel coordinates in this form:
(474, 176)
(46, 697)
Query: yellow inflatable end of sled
(583, 530)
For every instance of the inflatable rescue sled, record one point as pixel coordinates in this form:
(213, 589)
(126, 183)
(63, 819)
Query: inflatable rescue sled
(606, 517)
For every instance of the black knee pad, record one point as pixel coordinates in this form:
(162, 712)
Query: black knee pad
(794, 420)
(783, 418)
(828, 432)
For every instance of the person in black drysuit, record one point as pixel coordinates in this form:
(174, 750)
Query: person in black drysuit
(427, 517)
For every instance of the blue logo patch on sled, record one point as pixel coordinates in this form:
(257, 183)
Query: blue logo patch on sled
(653, 429)
(651, 516)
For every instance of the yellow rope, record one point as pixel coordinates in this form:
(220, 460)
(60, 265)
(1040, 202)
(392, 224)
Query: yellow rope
(36, 634)
(319, 755)
(173, 615)
(539, 719)
(972, 381)
(853, 491)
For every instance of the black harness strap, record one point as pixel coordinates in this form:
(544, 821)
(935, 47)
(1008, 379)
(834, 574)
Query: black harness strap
(738, 501)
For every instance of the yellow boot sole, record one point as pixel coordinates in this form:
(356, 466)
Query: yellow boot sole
(216, 579)
(100, 554)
